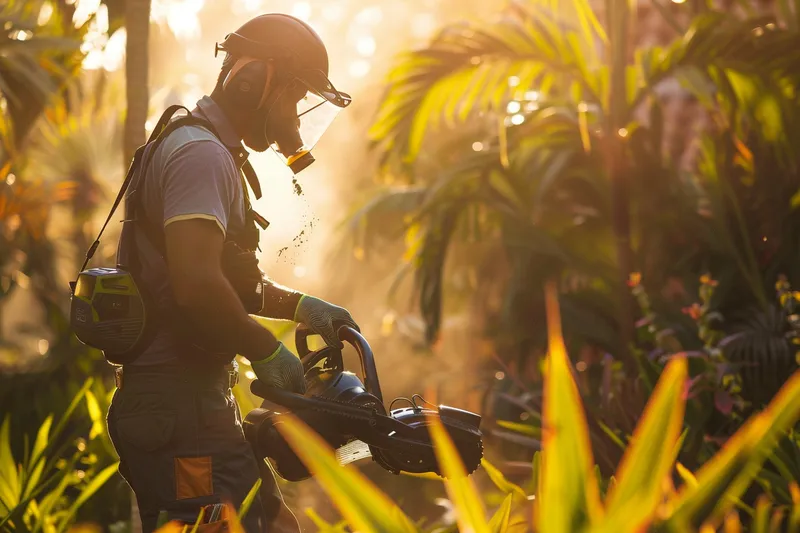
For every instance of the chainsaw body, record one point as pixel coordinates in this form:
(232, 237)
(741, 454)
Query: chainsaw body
(351, 417)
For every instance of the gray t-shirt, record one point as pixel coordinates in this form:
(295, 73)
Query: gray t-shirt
(192, 174)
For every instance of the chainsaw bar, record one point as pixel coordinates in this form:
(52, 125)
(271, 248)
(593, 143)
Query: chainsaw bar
(377, 426)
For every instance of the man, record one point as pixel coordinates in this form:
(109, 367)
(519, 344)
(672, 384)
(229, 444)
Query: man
(173, 419)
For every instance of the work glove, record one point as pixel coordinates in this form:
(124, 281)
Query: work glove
(323, 318)
(282, 369)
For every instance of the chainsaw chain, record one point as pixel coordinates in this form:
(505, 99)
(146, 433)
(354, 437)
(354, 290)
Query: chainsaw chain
(368, 412)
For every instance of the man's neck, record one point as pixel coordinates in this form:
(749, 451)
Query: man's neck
(235, 118)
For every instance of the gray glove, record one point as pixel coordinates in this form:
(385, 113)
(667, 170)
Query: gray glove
(282, 369)
(323, 318)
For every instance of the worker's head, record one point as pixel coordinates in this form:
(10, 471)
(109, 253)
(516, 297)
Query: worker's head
(274, 80)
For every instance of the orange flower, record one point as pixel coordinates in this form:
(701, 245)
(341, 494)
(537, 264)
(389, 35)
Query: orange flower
(634, 279)
(705, 279)
(693, 311)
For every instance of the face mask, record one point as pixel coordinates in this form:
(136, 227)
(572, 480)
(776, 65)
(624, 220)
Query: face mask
(298, 118)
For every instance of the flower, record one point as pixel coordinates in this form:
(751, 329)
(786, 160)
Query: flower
(693, 311)
(634, 279)
(706, 279)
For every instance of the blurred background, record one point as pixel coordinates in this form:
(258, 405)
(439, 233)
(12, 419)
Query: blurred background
(642, 154)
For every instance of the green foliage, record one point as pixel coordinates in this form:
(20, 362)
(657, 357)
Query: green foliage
(565, 494)
(55, 476)
(536, 199)
(36, 59)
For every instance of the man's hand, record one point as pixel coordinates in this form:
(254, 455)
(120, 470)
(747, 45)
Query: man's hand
(323, 318)
(282, 369)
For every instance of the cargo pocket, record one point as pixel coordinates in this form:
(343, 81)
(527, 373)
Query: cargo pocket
(193, 477)
(145, 420)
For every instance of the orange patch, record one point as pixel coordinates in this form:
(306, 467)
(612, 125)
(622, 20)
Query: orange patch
(193, 477)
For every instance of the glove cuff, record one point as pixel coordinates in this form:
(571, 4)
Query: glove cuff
(271, 356)
(296, 317)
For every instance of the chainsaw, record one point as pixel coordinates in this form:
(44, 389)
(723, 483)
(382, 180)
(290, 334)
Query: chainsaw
(351, 417)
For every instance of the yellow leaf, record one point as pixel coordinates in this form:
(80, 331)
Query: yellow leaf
(732, 523)
(467, 502)
(500, 521)
(569, 495)
(722, 480)
(501, 482)
(761, 516)
(686, 475)
(651, 452)
(95, 414)
(363, 505)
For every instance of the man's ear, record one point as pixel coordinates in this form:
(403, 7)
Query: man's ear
(268, 85)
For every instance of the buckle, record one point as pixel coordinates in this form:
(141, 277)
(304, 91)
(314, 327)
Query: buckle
(233, 374)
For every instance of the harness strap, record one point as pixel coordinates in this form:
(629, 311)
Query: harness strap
(163, 128)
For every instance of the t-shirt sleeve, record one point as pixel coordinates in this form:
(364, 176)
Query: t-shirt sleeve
(199, 181)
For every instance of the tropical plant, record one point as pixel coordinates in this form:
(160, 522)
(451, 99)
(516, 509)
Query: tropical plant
(538, 137)
(45, 488)
(565, 493)
(39, 52)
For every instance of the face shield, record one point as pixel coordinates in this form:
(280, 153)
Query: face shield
(307, 108)
(304, 110)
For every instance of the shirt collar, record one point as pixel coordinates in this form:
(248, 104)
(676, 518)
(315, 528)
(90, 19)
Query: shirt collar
(211, 111)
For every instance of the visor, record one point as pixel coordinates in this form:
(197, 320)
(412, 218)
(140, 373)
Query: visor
(316, 111)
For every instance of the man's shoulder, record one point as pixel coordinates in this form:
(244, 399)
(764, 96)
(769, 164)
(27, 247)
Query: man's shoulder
(191, 137)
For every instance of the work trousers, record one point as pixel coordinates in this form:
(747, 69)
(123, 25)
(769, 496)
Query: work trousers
(181, 446)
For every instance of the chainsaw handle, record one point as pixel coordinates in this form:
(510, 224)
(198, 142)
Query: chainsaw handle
(356, 340)
(301, 335)
(368, 369)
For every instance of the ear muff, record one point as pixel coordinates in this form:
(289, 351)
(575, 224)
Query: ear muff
(247, 82)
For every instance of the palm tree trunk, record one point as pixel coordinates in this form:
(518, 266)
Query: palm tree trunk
(618, 14)
(137, 26)
(137, 22)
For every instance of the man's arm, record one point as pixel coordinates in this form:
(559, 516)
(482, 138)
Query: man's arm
(279, 302)
(194, 248)
(199, 187)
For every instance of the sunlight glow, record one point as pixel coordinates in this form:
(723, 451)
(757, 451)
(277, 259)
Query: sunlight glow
(83, 10)
(477, 146)
(181, 16)
(301, 10)
(513, 107)
(517, 120)
(359, 68)
(45, 13)
(366, 46)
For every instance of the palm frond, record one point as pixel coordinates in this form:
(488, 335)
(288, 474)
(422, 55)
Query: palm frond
(474, 68)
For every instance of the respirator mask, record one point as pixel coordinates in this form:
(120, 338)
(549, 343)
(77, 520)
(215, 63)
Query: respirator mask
(304, 107)
(300, 116)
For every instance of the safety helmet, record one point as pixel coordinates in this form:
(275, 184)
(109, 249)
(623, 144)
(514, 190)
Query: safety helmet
(301, 60)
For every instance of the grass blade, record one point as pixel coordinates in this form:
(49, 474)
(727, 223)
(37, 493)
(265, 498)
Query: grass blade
(94, 485)
(363, 505)
(467, 502)
(249, 499)
(500, 521)
(650, 455)
(569, 495)
(725, 477)
(501, 482)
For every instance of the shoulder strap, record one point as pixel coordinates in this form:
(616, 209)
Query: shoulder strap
(160, 126)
